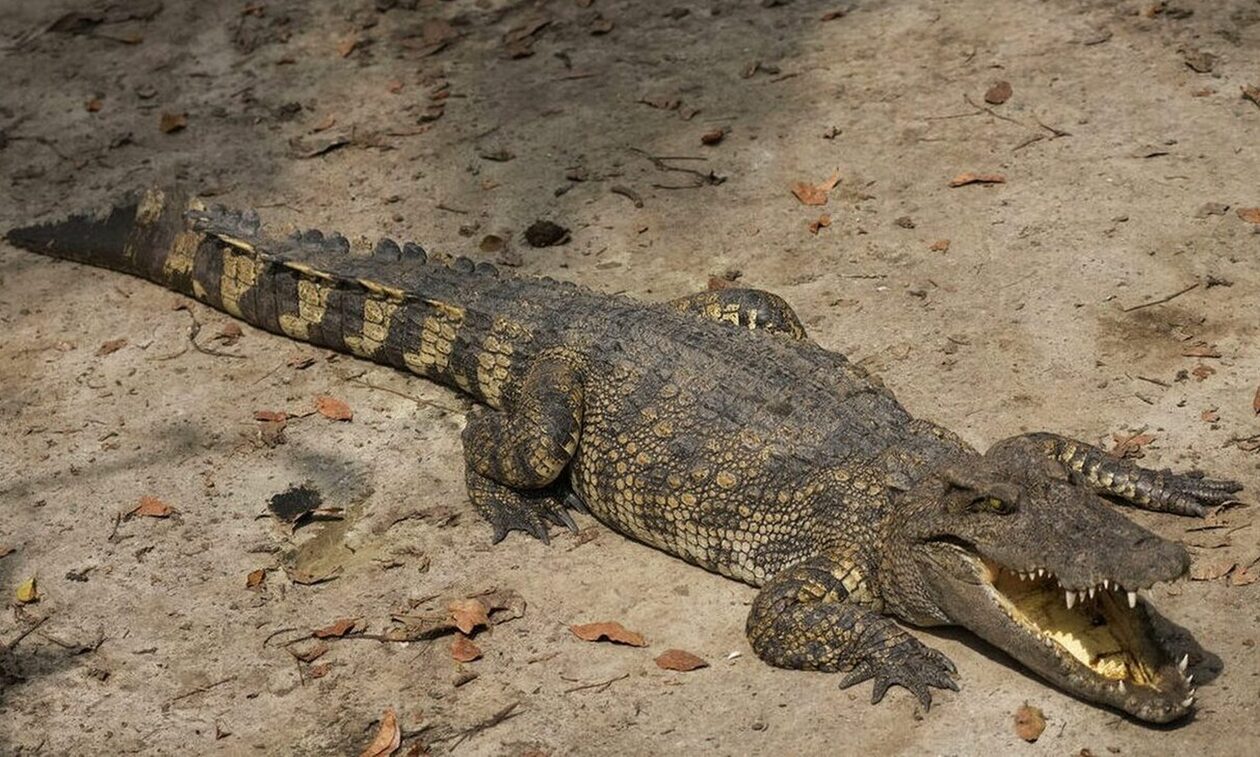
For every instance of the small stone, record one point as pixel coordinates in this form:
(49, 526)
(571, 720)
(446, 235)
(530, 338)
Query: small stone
(546, 234)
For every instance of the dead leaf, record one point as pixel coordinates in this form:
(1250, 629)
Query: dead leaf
(682, 661)
(271, 416)
(325, 123)
(1210, 415)
(469, 614)
(151, 507)
(1210, 571)
(713, 136)
(300, 362)
(1130, 446)
(1201, 372)
(230, 333)
(27, 592)
(395, 86)
(1029, 723)
(1201, 349)
(963, 179)
(333, 408)
(815, 194)
(388, 737)
(822, 222)
(463, 650)
(601, 25)
(255, 578)
(610, 631)
(320, 670)
(311, 653)
(347, 45)
(110, 347)
(172, 122)
(940, 245)
(338, 629)
(1199, 61)
(999, 93)
(502, 606)
(833, 15)
(94, 105)
(1244, 576)
(6, 550)
(1250, 215)
(1251, 93)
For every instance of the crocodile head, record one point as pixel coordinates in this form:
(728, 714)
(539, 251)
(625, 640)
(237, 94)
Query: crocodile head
(1051, 574)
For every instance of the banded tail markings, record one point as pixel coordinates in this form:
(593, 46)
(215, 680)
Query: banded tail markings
(438, 329)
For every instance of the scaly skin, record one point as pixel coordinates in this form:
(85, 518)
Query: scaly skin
(712, 428)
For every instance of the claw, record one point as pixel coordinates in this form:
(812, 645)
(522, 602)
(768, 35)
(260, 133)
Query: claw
(574, 502)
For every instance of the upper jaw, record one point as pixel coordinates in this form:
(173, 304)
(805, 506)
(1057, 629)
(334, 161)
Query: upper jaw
(1098, 646)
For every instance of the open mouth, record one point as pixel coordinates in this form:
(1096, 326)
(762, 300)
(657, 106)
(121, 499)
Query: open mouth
(1101, 635)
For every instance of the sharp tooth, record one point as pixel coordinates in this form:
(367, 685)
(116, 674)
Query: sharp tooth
(1107, 583)
(1132, 600)
(1190, 680)
(1071, 598)
(1091, 592)
(1188, 701)
(1121, 687)
(1185, 663)
(1041, 572)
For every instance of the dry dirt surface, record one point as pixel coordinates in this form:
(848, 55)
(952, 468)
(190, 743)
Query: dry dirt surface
(1106, 288)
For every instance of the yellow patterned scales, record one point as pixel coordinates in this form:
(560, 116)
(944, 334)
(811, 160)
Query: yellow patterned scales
(713, 428)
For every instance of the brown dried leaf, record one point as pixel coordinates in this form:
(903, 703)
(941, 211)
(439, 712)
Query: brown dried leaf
(151, 507)
(320, 670)
(822, 222)
(1130, 446)
(110, 347)
(1251, 93)
(325, 123)
(680, 660)
(999, 93)
(463, 650)
(1210, 571)
(388, 737)
(609, 630)
(1029, 723)
(172, 122)
(601, 25)
(833, 15)
(310, 653)
(1250, 215)
(271, 416)
(333, 408)
(94, 105)
(255, 578)
(338, 629)
(230, 332)
(469, 614)
(347, 45)
(815, 194)
(1210, 415)
(963, 179)
(940, 245)
(1201, 372)
(1244, 576)
(713, 136)
(1201, 349)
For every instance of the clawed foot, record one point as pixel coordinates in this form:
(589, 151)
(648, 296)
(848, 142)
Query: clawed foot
(1185, 493)
(909, 664)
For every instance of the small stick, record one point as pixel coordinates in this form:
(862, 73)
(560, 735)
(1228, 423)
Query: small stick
(601, 685)
(1162, 300)
(201, 689)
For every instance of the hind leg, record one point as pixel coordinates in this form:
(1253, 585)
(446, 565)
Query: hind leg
(514, 457)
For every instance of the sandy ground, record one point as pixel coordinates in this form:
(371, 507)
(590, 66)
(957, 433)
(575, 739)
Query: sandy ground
(148, 639)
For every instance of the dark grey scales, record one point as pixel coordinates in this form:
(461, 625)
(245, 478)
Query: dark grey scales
(715, 430)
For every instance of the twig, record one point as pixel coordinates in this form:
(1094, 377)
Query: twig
(8, 647)
(201, 689)
(1155, 381)
(628, 193)
(1161, 300)
(448, 209)
(404, 395)
(601, 685)
(490, 722)
(702, 178)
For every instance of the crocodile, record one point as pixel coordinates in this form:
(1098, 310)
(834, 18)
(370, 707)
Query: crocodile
(715, 429)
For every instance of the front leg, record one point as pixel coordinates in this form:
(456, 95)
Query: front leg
(1160, 491)
(806, 619)
(513, 458)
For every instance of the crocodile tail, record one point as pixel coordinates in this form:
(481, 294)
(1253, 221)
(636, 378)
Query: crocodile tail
(143, 236)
